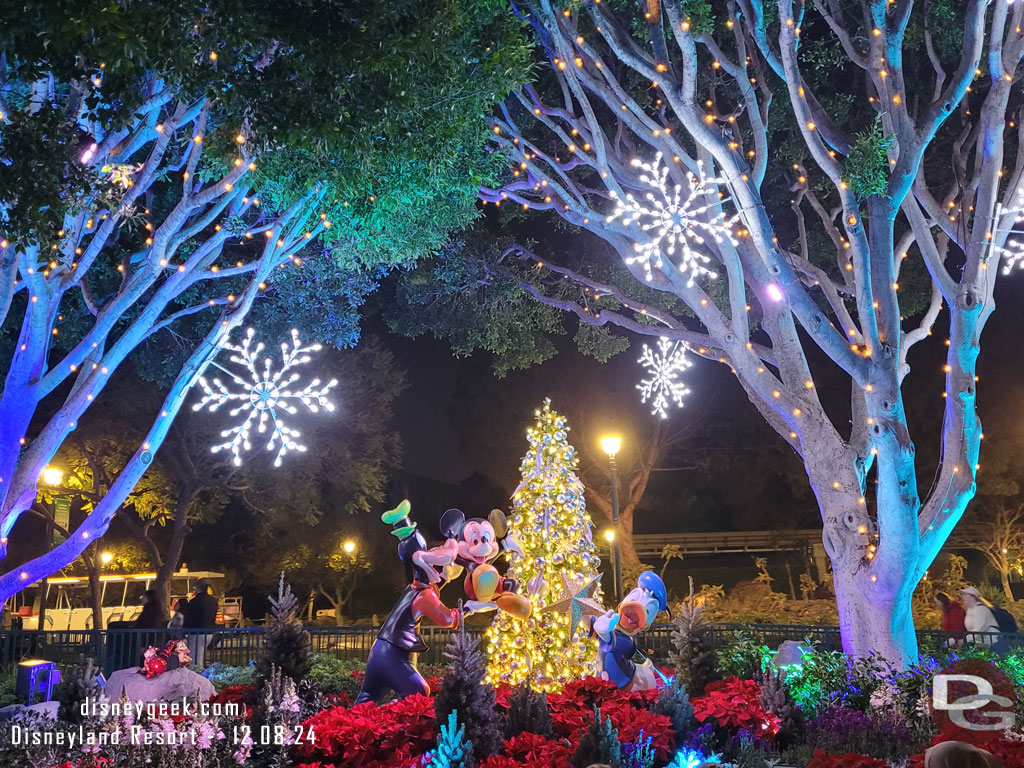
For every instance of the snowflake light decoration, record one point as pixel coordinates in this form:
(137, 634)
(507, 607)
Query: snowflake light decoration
(674, 218)
(664, 367)
(1013, 250)
(262, 396)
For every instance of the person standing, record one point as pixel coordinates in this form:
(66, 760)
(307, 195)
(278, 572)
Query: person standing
(177, 618)
(200, 613)
(152, 616)
(979, 618)
(952, 619)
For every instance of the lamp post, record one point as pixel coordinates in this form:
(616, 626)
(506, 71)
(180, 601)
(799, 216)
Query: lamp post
(348, 547)
(611, 446)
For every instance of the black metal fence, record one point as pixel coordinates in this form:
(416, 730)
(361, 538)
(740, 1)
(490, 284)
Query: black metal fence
(829, 638)
(118, 648)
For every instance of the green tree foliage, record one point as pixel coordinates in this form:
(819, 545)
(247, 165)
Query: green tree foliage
(867, 168)
(163, 160)
(692, 655)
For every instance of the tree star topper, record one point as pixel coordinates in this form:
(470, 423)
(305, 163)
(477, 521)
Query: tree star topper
(664, 366)
(262, 397)
(578, 601)
(673, 219)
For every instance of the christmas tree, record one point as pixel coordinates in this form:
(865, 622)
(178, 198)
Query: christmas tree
(550, 521)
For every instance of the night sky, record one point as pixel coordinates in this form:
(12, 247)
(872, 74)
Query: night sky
(437, 409)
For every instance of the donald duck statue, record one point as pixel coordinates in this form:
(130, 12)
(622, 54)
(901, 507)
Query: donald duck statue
(616, 631)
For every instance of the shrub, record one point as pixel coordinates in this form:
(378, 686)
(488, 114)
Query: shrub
(600, 744)
(463, 690)
(742, 657)
(80, 686)
(528, 711)
(226, 676)
(7, 694)
(286, 644)
(674, 703)
(841, 730)
(334, 676)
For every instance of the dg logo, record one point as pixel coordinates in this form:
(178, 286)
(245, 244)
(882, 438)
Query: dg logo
(974, 695)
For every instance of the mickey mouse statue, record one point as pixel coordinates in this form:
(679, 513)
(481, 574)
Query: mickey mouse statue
(617, 629)
(470, 545)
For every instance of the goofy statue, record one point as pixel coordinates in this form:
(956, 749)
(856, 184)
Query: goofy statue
(470, 546)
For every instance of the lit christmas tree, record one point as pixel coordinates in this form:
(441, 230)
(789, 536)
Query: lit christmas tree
(550, 520)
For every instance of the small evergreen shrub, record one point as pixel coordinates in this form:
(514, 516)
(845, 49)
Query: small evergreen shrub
(79, 686)
(463, 690)
(331, 675)
(528, 711)
(286, 645)
(674, 703)
(600, 744)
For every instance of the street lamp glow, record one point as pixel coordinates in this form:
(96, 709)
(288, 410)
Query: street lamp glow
(609, 535)
(106, 558)
(53, 476)
(349, 547)
(611, 445)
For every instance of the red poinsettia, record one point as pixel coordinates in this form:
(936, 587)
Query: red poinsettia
(589, 691)
(734, 703)
(236, 694)
(502, 694)
(500, 761)
(368, 736)
(631, 719)
(533, 751)
(823, 759)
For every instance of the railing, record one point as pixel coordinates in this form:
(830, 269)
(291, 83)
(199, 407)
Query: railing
(829, 638)
(114, 649)
(120, 648)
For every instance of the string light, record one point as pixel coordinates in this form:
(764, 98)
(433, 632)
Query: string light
(673, 219)
(550, 521)
(1013, 250)
(664, 367)
(263, 396)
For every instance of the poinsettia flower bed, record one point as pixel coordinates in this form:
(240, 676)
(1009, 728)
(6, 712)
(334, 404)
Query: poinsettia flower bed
(397, 734)
(734, 703)
(368, 736)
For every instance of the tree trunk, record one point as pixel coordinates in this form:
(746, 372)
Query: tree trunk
(630, 559)
(1004, 577)
(95, 589)
(872, 624)
(169, 564)
(875, 558)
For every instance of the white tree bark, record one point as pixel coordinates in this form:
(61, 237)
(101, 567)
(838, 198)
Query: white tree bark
(571, 149)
